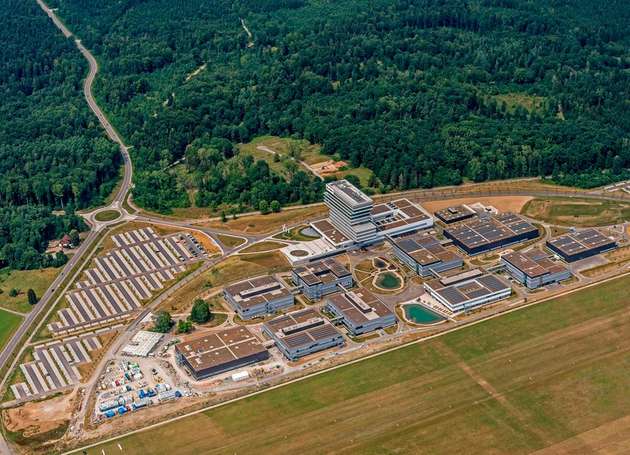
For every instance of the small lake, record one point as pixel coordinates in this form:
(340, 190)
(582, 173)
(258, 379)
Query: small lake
(388, 280)
(420, 314)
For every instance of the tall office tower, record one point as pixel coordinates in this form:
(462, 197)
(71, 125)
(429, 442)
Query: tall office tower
(350, 211)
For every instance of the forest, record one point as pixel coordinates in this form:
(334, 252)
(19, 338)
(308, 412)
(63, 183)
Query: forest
(54, 157)
(422, 92)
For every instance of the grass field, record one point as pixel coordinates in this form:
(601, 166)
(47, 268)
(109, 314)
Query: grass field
(239, 267)
(267, 245)
(266, 224)
(230, 241)
(9, 322)
(107, 215)
(515, 384)
(577, 212)
(39, 280)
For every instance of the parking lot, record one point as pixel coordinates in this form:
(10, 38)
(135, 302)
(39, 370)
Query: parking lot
(124, 277)
(55, 365)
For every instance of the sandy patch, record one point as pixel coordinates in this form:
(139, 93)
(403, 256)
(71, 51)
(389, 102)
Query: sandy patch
(40, 416)
(502, 203)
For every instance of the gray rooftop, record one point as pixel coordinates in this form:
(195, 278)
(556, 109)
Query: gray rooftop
(349, 193)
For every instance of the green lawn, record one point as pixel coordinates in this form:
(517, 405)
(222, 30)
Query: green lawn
(107, 215)
(514, 384)
(39, 280)
(9, 322)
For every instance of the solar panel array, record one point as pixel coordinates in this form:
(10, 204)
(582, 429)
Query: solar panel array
(468, 290)
(576, 243)
(124, 277)
(55, 366)
(487, 231)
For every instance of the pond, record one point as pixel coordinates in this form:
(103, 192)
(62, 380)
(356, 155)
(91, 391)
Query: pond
(420, 314)
(379, 263)
(309, 232)
(388, 280)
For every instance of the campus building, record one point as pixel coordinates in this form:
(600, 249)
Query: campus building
(350, 211)
(455, 214)
(360, 311)
(212, 353)
(258, 296)
(574, 246)
(424, 254)
(468, 290)
(534, 268)
(302, 333)
(317, 279)
(399, 217)
(490, 232)
(354, 219)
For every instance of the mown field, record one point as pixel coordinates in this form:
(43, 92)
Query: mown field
(9, 322)
(577, 212)
(22, 280)
(530, 380)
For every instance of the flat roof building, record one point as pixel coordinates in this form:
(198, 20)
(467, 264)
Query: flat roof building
(258, 296)
(320, 278)
(467, 293)
(399, 217)
(302, 333)
(455, 214)
(360, 311)
(425, 254)
(574, 246)
(212, 353)
(534, 268)
(480, 235)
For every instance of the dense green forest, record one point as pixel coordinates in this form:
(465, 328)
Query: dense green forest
(422, 92)
(53, 154)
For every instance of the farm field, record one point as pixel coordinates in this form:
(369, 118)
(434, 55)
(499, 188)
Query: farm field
(577, 212)
(518, 383)
(9, 322)
(39, 280)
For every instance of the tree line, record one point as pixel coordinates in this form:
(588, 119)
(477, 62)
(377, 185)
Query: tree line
(424, 93)
(54, 157)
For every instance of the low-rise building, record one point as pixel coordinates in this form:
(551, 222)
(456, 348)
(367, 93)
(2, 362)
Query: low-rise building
(480, 235)
(211, 353)
(455, 214)
(360, 311)
(399, 217)
(258, 296)
(302, 333)
(577, 245)
(317, 279)
(534, 268)
(466, 291)
(424, 254)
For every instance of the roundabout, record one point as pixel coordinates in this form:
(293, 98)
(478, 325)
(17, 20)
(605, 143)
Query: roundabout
(107, 215)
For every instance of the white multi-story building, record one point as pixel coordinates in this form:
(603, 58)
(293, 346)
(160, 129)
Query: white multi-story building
(350, 211)
(354, 219)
